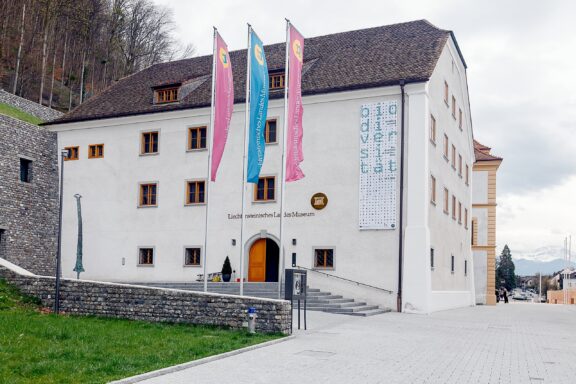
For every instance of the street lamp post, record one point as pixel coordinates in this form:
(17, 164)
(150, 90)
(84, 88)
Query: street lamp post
(63, 155)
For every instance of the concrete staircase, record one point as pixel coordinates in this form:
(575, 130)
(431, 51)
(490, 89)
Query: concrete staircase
(317, 300)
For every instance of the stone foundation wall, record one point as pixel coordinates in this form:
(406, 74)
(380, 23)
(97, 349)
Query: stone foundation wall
(82, 297)
(28, 210)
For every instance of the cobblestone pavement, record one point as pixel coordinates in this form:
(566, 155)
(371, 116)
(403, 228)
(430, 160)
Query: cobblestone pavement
(508, 343)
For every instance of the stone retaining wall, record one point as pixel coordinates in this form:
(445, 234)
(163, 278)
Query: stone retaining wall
(28, 106)
(82, 297)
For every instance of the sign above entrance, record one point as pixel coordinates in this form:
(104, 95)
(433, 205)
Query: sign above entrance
(319, 201)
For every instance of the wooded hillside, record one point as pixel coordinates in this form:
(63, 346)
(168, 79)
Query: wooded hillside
(61, 52)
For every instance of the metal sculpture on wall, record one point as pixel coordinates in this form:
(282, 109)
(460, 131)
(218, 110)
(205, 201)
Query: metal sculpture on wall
(78, 267)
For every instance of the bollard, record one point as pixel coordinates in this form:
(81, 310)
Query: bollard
(252, 320)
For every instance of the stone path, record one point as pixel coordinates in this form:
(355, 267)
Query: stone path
(513, 343)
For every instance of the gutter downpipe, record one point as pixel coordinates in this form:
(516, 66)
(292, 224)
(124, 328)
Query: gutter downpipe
(401, 224)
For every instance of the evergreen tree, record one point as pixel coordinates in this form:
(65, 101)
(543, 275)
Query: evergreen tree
(505, 276)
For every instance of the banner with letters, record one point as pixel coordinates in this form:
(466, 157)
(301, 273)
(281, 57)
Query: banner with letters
(379, 165)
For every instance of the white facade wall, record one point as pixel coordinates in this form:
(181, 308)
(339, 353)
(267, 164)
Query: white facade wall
(447, 236)
(114, 225)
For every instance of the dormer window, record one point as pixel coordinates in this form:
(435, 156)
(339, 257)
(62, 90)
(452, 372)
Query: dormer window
(166, 95)
(277, 80)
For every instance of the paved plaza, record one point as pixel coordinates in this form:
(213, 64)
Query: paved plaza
(508, 343)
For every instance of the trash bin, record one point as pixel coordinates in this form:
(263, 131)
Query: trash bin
(252, 320)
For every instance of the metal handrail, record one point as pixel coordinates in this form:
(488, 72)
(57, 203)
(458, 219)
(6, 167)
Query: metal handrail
(345, 279)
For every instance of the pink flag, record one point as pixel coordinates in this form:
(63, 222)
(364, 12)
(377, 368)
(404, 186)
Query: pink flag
(295, 111)
(223, 102)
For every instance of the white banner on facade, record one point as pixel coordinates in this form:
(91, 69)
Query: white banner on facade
(378, 165)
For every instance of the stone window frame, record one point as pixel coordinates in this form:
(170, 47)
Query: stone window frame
(30, 170)
(138, 264)
(185, 248)
(141, 139)
(142, 183)
(327, 247)
(255, 199)
(189, 129)
(267, 130)
(187, 183)
(71, 150)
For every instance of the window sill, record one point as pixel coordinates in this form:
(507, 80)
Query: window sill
(445, 158)
(446, 102)
(454, 167)
(323, 269)
(145, 265)
(148, 206)
(71, 159)
(460, 176)
(194, 204)
(149, 154)
(432, 142)
(95, 157)
(24, 182)
(433, 202)
(272, 143)
(263, 201)
(432, 269)
(446, 212)
(191, 266)
(196, 149)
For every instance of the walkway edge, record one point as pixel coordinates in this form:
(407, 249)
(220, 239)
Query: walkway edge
(194, 363)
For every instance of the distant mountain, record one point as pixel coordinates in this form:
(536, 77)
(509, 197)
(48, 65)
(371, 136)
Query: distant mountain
(525, 267)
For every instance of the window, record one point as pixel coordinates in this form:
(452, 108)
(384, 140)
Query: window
(432, 258)
(453, 106)
(432, 129)
(148, 195)
(474, 231)
(95, 151)
(446, 146)
(2, 247)
(460, 118)
(265, 189)
(446, 200)
(277, 80)
(460, 165)
(465, 267)
(25, 170)
(459, 213)
(192, 256)
(453, 156)
(446, 92)
(270, 132)
(454, 207)
(72, 153)
(466, 218)
(466, 178)
(324, 258)
(167, 95)
(196, 138)
(195, 192)
(432, 189)
(145, 256)
(452, 263)
(149, 143)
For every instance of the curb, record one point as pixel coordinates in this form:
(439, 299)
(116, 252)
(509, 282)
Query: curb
(194, 363)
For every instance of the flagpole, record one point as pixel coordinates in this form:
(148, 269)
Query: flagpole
(283, 172)
(246, 130)
(211, 133)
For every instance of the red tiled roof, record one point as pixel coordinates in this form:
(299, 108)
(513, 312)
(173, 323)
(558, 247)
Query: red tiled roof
(482, 153)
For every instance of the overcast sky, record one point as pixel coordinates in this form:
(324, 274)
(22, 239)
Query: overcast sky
(521, 57)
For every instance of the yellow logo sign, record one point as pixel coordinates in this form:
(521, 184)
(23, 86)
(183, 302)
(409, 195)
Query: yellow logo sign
(224, 58)
(258, 54)
(297, 48)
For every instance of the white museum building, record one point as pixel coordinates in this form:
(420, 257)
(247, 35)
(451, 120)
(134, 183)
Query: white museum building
(389, 217)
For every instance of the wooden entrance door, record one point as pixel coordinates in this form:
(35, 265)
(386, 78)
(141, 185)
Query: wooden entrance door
(257, 261)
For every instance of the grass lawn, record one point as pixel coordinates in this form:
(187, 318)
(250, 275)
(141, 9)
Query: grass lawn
(9, 110)
(45, 348)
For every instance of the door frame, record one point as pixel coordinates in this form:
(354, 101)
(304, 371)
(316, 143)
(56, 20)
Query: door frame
(248, 244)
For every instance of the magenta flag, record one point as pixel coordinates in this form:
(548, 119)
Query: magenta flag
(223, 102)
(294, 141)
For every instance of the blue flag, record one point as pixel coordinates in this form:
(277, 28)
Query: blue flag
(258, 107)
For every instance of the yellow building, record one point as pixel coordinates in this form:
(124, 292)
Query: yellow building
(484, 223)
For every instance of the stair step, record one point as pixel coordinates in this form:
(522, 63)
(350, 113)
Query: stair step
(352, 309)
(371, 312)
(332, 301)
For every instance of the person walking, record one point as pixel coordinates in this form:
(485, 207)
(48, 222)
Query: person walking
(505, 296)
